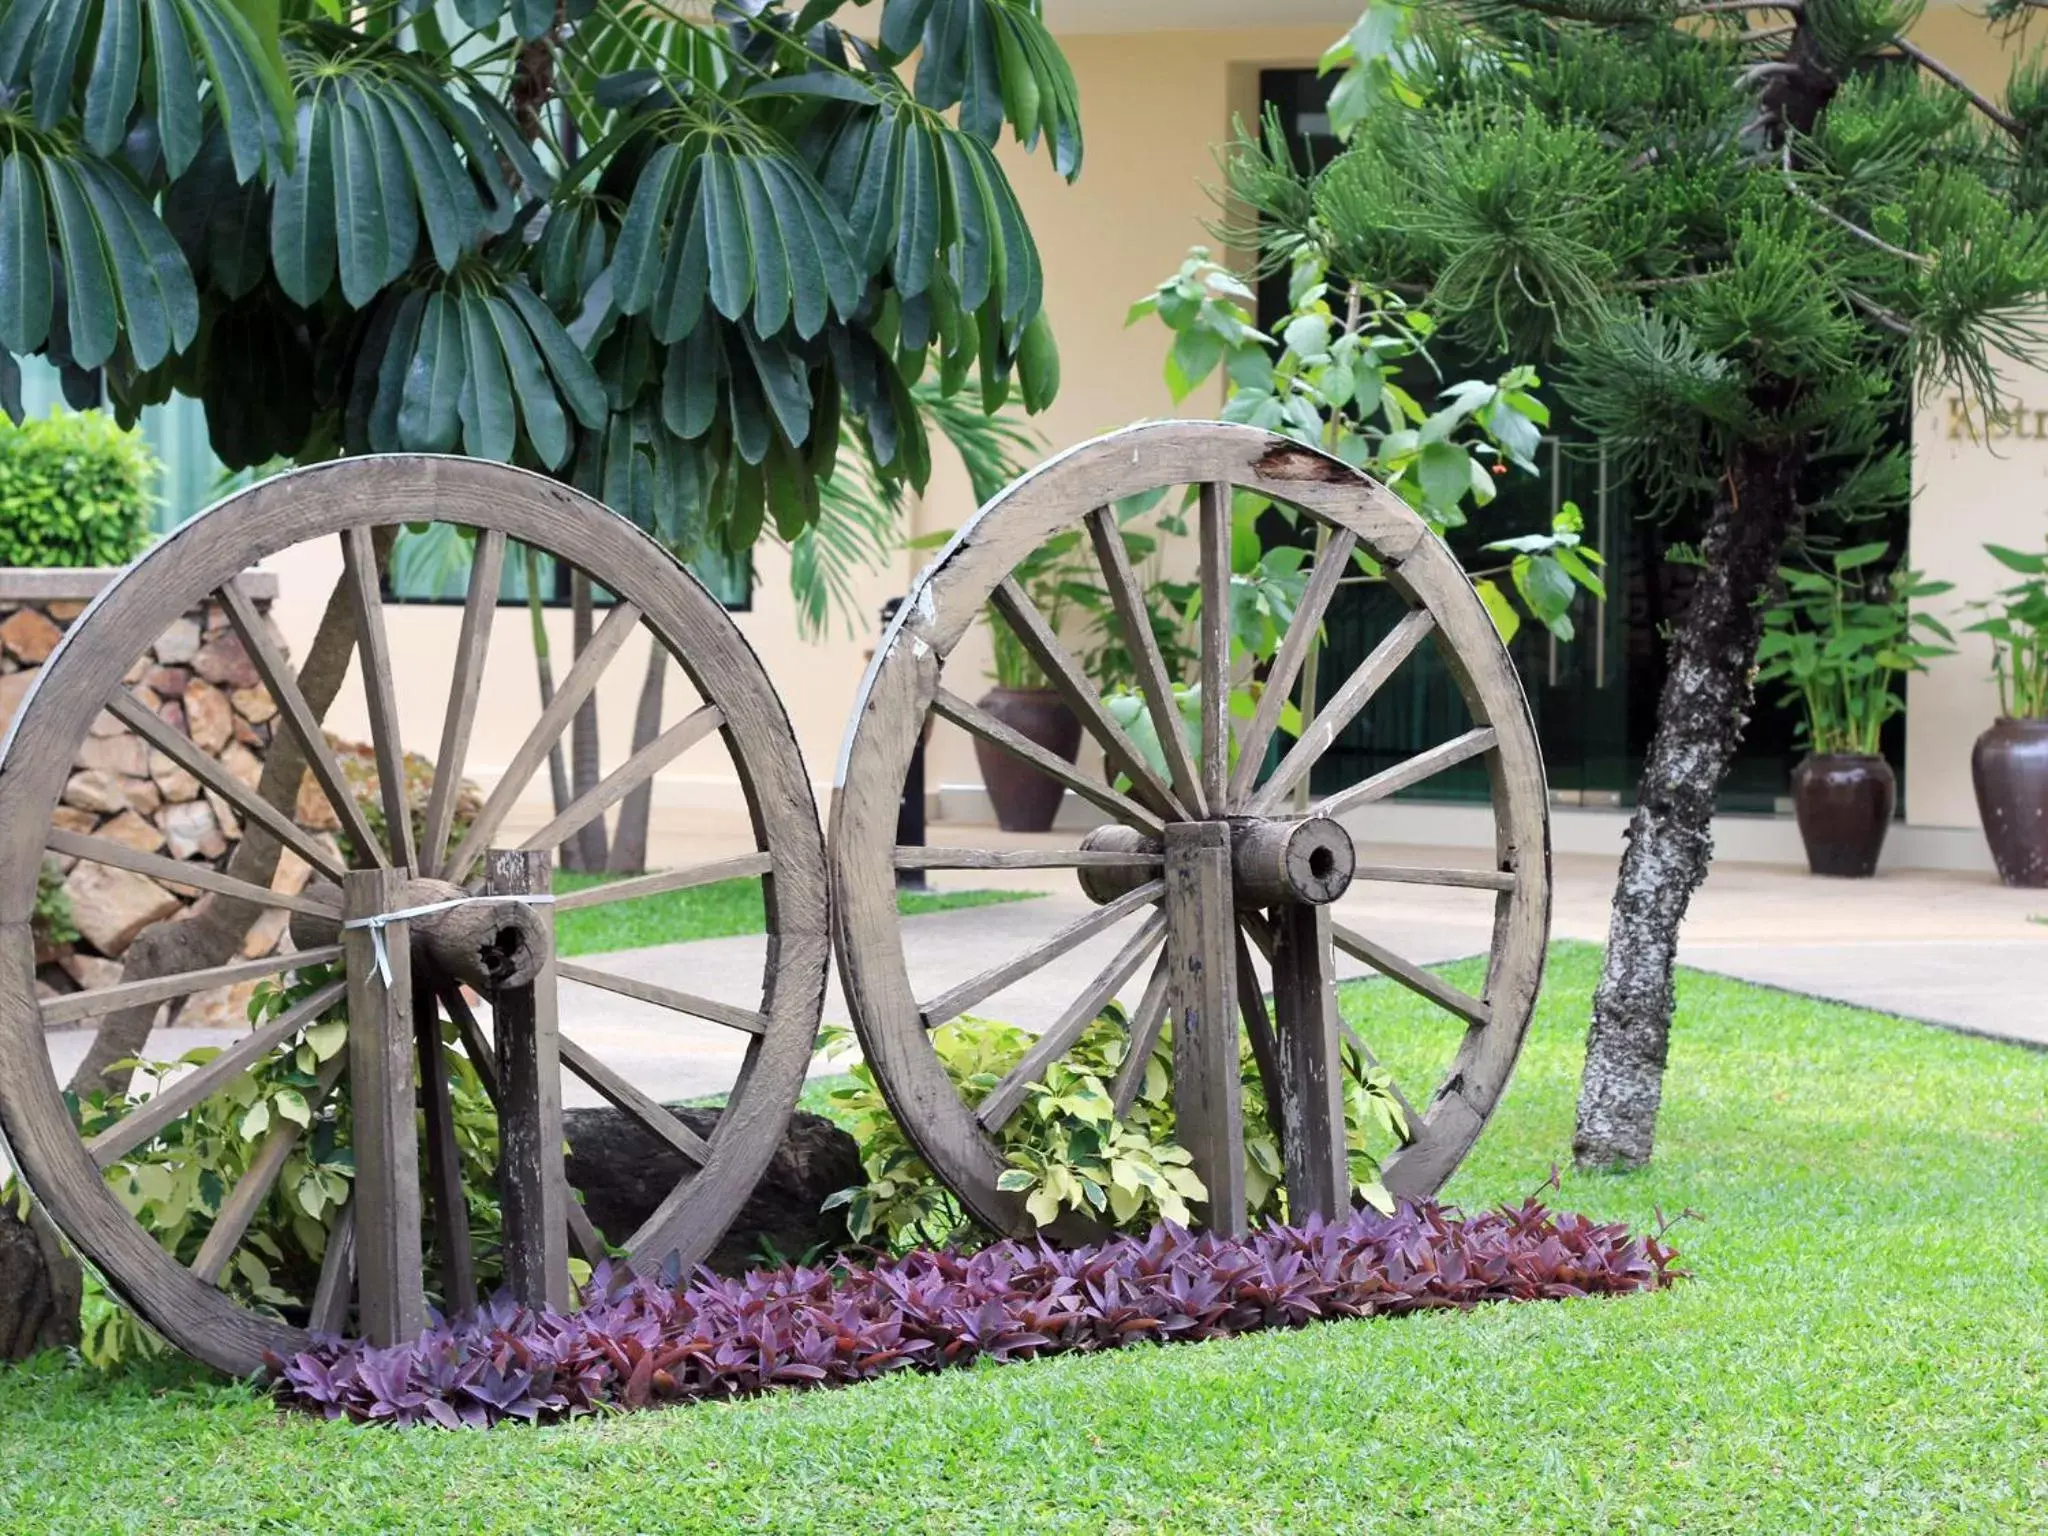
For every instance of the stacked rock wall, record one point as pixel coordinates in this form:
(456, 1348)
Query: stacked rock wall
(197, 677)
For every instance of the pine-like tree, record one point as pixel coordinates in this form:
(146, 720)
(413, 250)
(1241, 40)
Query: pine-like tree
(1744, 235)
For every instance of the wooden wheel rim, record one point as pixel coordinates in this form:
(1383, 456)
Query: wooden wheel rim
(177, 574)
(903, 682)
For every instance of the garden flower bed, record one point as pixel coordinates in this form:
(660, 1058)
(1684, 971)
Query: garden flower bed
(645, 1342)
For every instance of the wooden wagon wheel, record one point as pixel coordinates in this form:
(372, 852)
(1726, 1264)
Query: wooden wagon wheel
(503, 948)
(1206, 862)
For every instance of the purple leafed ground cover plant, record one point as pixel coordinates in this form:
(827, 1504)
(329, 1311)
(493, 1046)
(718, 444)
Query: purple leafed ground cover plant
(640, 1342)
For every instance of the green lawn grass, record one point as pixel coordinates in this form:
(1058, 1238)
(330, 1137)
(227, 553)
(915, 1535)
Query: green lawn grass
(1865, 1348)
(716, 911)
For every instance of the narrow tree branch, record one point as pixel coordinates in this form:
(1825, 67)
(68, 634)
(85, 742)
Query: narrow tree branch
(1884, 317)
(1882, 244)
(1981, 102)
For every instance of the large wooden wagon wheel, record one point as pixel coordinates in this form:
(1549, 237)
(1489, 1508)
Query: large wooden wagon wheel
(1206, 863)
(399, 982)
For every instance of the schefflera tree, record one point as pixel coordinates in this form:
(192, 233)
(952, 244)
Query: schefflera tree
(657, 252)
(677, 257)
(1740, 237)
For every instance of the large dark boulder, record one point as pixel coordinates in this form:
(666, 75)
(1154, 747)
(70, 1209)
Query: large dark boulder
(624, 1171)
(39, 1286)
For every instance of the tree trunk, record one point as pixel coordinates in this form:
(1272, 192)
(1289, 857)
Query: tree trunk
(1700, 720)
(629, 841)
(588, 844)
(214, 933)
(544, 671)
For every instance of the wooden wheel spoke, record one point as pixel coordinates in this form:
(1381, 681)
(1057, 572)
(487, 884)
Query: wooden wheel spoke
(104, 850)
(746, 1020)
(444, 1166)
(628, 776)
(665, 881)
(907, 857)
(1344, 707)
(1065, 674)
(955, 1001)
(1007, 1097)
(373, 651)
(479, 1050)
(1128, 599)
(250, 1191)
(1405, 775)
(1302, 634)
(641, 1106)
(1463, 879)
(1212, 531)
(133, 994)
(969, 717)
(484, 1058)
(1410, 975)
(300, 719)
(479, 607)
(141, 1124)
(617, 628)
(1258, 1028)
(178, 747)
(1147, 1019)
(337, 1281)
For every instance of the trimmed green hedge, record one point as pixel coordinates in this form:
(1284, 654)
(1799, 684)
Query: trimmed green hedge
(75, 489)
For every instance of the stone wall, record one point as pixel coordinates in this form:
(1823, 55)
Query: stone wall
(196, 677)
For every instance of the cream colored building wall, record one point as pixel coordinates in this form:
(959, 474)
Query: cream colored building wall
(1156, 103)
(1969, 488)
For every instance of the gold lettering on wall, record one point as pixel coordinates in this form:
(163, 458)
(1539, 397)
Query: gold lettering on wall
(1967, 422)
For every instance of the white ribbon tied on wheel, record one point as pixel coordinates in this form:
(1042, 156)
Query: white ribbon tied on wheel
(377, 922)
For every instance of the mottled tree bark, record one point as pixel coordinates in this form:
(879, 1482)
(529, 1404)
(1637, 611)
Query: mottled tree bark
(1700, 720)
(586, 850)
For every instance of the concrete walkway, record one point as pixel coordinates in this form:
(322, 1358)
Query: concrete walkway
(1952, 949)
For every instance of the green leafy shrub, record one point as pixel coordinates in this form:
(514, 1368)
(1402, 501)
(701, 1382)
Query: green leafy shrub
(175, 1184)
(75, 489)
(1066, 1148)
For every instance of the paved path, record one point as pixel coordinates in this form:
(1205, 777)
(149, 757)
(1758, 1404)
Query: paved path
(1951, 949)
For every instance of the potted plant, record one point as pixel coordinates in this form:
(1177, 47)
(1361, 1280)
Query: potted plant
(2010, 762)
(1024, 799)
(1839, 640)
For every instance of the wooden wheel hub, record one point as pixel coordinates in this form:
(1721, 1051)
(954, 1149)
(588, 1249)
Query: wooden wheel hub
(1273, 863)
(427, 1100)
(1210, 896)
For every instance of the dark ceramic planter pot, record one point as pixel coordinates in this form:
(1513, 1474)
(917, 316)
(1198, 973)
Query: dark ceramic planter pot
(1025, 800)
(1844, 805)
(2010, 767)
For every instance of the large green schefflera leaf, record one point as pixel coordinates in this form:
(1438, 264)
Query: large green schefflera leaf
(122, 42)
(474, 369)
(995, 59)
(752, 234)
(25, 281)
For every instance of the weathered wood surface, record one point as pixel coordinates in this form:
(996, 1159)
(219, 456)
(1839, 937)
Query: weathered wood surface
(1311, 1100)
(904, 687)
(530, 1179)
(1201, 955)
(208, 554)
(389, 1298)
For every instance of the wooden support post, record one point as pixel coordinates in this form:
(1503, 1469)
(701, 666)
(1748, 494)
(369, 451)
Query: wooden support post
(1311, 1063)
(531, 1183)
(1202, 964)
(390, 1302)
